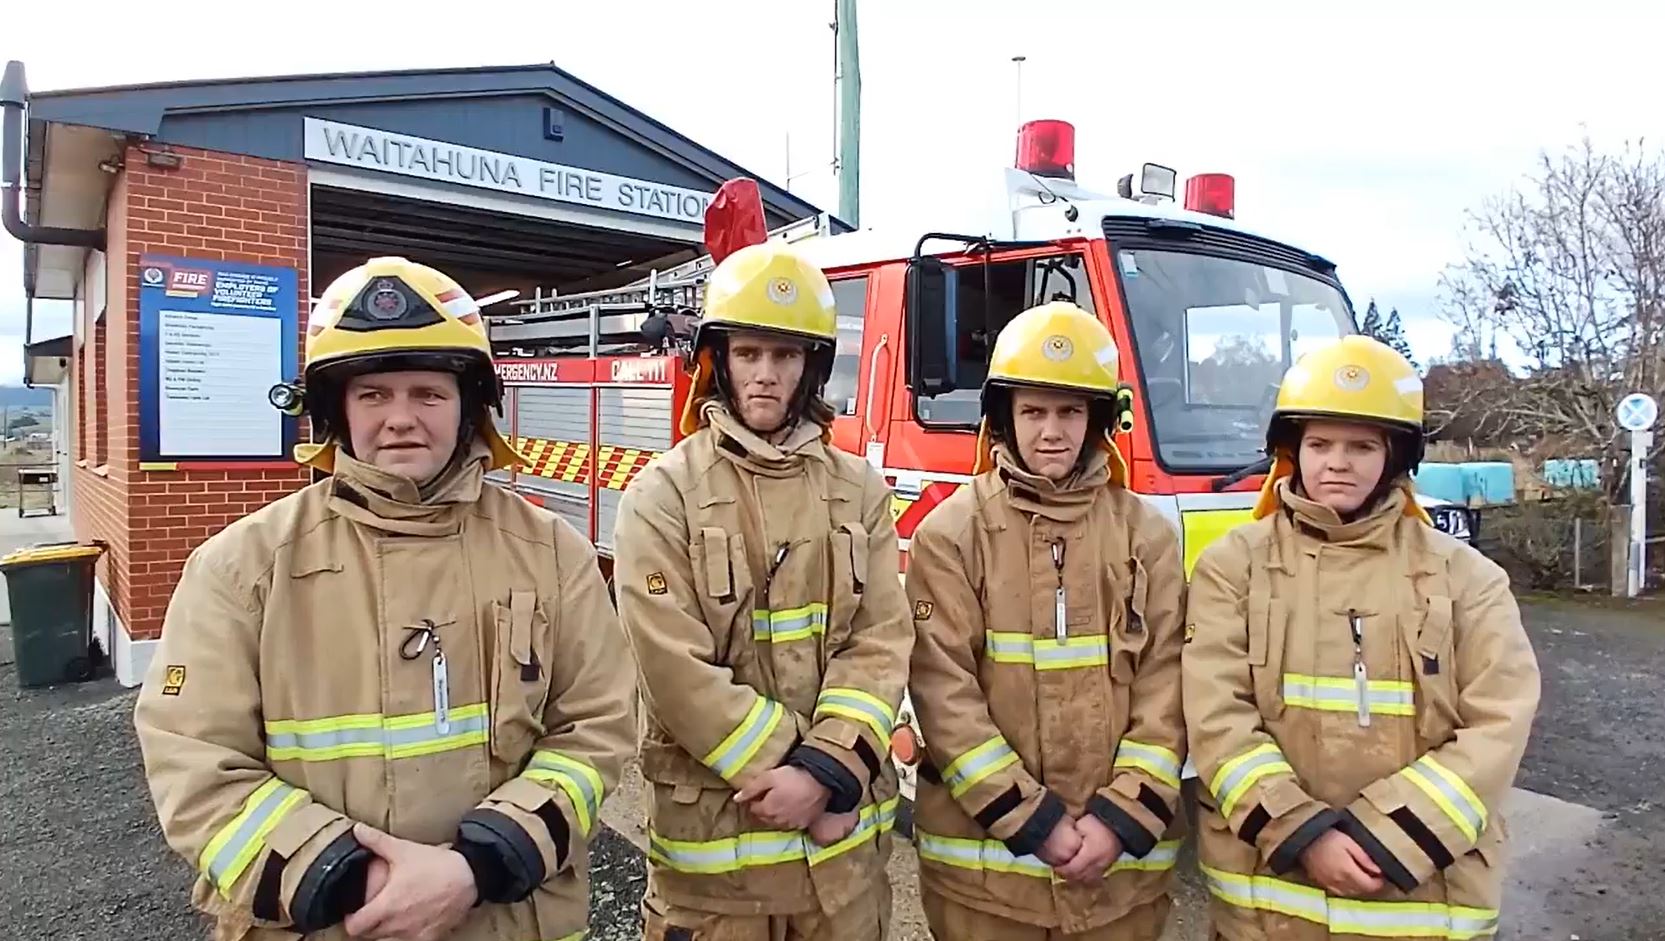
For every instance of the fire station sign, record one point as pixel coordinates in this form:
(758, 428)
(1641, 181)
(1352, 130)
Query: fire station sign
(388, 152)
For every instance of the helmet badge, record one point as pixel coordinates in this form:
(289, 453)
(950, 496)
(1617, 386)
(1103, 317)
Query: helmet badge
(783, 291)
(1057, 348)
(1351, 378)
(385, 301)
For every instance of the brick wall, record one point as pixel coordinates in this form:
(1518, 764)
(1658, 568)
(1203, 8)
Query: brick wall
(215, 206)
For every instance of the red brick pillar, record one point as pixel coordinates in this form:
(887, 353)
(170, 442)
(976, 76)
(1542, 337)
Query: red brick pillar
(217, 206)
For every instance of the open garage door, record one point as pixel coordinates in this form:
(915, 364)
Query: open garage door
(485, 251)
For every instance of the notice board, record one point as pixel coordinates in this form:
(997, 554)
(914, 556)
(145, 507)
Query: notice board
(214, 337)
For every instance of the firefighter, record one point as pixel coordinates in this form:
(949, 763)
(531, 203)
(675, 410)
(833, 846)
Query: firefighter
(390, 705)
(1048, 601)
(1358, 687)
(756, 584)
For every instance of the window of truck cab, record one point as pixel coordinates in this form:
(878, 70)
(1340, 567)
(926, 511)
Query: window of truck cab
(850, 299)
(982, 300)
(1214, 334)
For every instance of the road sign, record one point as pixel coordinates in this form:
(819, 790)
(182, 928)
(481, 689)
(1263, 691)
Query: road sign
(1637, 412)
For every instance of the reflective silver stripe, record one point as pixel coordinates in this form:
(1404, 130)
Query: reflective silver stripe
(765, 848)
(1351, 916)
(339, 737)
(1340, 694)
(1450, 792)
(581, 782)
(1236, 776)
(975, 765)
(993, 856)
(1154, 760)
(857, 705)
(237, 843)
(1046, 653)
(791, 624)
(743, 743)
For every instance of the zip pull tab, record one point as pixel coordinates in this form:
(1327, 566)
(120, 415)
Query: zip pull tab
(1060, 629)
(442, 691)
(1361, 679)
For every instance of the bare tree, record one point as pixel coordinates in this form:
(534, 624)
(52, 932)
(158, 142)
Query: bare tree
(1570, 266)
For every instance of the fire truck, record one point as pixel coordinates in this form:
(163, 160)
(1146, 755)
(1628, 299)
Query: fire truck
(1207, 314)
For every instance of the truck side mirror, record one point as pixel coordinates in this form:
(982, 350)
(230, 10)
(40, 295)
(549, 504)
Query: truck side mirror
(926, 308)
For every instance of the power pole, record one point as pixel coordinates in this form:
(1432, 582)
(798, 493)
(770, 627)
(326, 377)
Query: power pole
(1019, 60)
(849, 113)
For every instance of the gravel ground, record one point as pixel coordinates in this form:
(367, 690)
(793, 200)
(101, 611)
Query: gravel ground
(76, 864)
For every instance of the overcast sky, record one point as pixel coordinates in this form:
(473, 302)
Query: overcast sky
(1361, 138)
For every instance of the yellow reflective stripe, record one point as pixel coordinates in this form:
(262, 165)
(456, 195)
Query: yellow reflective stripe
(1236, 776)
(236, 844)
(732, 754)
(1351, 916)
(369, 734)
(1047, 653)
(1340, 694)
(779, 627)
(768, 847)
(581, 783)
(964, 772)
(1450, 792)
(993, 856)
(858, 706)
(1156, 761)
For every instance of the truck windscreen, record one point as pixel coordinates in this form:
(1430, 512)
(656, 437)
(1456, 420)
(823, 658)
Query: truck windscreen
(1214, 336)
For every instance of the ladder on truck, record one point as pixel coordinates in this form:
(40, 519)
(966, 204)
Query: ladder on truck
(609, 321)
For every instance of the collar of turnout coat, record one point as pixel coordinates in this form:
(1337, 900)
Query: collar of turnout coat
(395, 503)
(1315, 519)
(1065, 500)
(750, 450)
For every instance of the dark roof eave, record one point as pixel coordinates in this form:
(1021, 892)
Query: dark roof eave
(139, 109)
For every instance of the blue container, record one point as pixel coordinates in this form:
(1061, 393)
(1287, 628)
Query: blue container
(1442, 482)
(1577, 474)
(1487, 483)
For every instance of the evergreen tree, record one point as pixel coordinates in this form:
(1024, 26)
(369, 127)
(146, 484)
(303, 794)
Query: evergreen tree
(1371, 326)
(1393, 334)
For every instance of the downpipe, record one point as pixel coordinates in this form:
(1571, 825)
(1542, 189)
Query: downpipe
(14, 96)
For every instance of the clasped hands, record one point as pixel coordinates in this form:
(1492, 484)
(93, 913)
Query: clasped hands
(1080, 849)
(413, 892)
(791, 799)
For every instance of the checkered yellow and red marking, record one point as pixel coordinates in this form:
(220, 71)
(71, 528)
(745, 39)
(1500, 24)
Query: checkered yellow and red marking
(568, 461)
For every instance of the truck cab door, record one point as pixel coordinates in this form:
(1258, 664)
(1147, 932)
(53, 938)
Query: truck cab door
(864, 363)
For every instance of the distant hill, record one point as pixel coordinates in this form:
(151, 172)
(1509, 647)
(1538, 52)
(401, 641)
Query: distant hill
(14, 396)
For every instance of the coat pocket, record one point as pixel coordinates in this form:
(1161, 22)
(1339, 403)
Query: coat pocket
(1434, 656)
(849, 581)
(521, 688)
(722, 579)
(1129, 634)
(1268, 621)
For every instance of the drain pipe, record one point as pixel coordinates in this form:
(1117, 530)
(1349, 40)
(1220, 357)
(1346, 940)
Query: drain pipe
(14, 94)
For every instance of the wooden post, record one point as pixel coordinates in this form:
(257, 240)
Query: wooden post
(1578, 553)
(1618, 548)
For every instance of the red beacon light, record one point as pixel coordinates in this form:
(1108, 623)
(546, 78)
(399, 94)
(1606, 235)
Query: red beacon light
(1047, 148)
(1213, 193)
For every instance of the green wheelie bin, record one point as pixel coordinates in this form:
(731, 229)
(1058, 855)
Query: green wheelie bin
(51, 589)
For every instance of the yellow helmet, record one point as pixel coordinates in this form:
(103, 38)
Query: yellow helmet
(1057, 346)
(1356, 378)
(769, 288)
(389, 314)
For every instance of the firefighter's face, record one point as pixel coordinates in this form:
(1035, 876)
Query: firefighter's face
(404, 422)
(763, 371)
(1341, 463)
(1049, 427)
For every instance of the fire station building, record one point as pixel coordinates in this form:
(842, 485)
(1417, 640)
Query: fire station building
(189, 224)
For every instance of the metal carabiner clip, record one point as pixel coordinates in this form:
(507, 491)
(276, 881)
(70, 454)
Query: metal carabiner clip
(421, 634)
